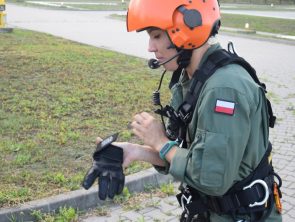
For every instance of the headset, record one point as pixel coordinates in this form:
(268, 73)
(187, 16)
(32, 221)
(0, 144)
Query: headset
(154, 63)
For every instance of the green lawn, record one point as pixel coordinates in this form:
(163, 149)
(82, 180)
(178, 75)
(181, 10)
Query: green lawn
(262, 24)
(77, 4)
(257, 23)
(56, 97)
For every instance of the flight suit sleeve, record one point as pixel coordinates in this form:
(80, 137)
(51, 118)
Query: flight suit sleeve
(212, 162)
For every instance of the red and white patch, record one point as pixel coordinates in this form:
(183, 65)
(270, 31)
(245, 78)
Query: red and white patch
(225, 107)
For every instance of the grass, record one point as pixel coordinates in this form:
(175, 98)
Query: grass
(138, 201)
(256, 6)
(261, 24)
(64, 214)
(257, 2)
(128, 201)
(114, 5)
(56, 97)
(92, 5)
(257, 23)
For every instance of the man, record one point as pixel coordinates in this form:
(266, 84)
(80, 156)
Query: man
(225, 136)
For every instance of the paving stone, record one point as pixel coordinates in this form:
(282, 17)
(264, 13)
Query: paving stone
(131, 215)
(158, 215)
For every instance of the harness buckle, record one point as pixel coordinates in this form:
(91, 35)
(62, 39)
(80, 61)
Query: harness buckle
(264, 185)
(187, 200)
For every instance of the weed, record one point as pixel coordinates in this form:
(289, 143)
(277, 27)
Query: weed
(59, 178)
(22, 159)
(13, 219)
(67, 214)
(273, 97)
(102, 211)
(42, 217)
(64, 214)
(168, 188)
(123, 197)
(153, 202)
(148, 188)
(140, 219)
(136, 167)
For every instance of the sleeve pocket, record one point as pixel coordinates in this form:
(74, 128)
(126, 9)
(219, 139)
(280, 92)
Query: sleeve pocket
(214, 159)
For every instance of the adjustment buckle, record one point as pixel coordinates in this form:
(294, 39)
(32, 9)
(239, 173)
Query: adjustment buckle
(185, 117)
(185, 112)
(186, 199)
(263, 183)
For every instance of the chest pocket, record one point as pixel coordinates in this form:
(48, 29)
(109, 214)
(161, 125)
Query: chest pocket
(209, 153)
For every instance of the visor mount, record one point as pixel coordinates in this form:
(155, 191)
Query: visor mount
(191, 17)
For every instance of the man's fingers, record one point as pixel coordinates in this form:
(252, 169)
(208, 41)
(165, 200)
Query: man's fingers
(121, 184)
(137, 132)
(98, 140)
(139, 118)
(90, 177)
(146, 115)
(104, 181)
(113, 188)
(116, 184)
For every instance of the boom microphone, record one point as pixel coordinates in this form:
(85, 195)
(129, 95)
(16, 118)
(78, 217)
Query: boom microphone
(154, 63)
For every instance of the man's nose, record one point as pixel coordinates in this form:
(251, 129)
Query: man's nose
(152, 47)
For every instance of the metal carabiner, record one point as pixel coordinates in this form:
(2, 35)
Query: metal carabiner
(261, 182)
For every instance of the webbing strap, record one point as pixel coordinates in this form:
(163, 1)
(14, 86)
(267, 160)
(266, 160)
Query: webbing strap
(263, 169)
(215, 61)
(237, 200)
(201, 75)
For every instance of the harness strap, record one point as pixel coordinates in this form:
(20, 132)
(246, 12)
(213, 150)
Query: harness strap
(181, 119)
(215, 61)
(249, 196)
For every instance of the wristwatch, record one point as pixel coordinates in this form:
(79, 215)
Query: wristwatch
(166, 148)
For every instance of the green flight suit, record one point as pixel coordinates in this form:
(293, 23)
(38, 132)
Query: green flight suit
(223, 148)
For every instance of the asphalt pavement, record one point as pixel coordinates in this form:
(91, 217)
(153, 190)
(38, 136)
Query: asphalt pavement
(273, 60)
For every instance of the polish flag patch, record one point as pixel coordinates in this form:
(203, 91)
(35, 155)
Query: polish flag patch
(224, 107)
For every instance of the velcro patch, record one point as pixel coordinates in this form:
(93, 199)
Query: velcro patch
(224, 107)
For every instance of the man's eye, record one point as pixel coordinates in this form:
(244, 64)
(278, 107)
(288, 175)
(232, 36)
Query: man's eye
(157, 36)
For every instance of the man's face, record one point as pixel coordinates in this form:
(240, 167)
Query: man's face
(159, 44)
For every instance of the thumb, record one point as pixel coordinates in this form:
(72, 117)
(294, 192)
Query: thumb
(90, 177)
(98, 140)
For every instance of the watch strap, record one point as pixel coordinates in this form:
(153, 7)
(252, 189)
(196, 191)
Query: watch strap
(166, 148)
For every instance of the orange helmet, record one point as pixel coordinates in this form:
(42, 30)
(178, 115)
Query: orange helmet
(189, 23)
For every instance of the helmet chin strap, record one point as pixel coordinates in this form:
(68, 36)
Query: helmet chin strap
(184, 58)
(183, 61)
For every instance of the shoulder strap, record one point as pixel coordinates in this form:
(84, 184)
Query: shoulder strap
(215, 61)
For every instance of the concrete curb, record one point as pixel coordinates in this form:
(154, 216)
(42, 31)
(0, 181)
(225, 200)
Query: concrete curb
(81, 199)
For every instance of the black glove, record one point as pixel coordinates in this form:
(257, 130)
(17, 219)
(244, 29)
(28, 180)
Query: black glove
(107, 166)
